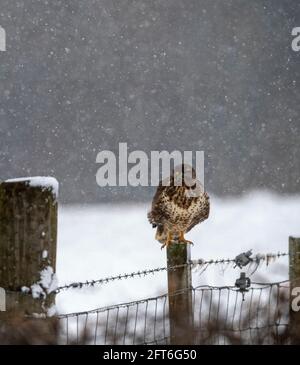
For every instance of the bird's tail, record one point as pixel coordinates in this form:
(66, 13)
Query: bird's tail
(161, 234)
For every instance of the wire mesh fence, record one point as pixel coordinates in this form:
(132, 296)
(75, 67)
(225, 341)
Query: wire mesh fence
(257, 313)
(220, 315)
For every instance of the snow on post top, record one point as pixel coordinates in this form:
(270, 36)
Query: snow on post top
(46, 182)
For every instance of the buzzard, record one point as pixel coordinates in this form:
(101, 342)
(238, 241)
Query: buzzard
(178, 207)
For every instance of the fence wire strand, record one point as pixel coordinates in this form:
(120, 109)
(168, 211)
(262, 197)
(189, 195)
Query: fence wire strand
(199, 263)
(258, 319)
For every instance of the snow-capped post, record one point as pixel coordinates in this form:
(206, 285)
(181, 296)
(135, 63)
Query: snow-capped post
(180, 304)
(28, 232)
(294, 276)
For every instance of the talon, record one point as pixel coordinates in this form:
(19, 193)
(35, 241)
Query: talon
(186, 242)
(183, 240)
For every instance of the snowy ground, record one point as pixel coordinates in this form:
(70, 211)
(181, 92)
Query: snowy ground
(105, 240)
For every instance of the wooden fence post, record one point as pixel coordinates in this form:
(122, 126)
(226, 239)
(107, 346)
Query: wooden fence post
(28, 232)
(180, 305)
(294, 276)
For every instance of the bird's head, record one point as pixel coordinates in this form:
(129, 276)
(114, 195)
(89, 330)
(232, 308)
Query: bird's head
(185, 175)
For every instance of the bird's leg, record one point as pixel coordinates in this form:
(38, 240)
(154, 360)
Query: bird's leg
(168, 241)
(182, 239)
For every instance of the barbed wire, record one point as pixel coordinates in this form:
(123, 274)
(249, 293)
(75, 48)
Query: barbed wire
(240, 261)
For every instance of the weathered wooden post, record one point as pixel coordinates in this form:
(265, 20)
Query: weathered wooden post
(180, 304)
(28, 232)
(294, 276)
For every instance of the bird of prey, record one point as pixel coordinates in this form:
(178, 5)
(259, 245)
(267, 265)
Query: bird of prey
(179, 207)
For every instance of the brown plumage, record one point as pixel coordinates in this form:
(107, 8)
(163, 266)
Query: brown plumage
(177, 209)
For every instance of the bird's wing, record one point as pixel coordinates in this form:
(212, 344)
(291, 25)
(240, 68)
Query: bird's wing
(157, 212)
(202, 214)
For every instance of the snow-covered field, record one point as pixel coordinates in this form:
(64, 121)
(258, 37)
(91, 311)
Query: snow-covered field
(105, 240)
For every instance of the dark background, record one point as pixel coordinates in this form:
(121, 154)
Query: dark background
(79, 77)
